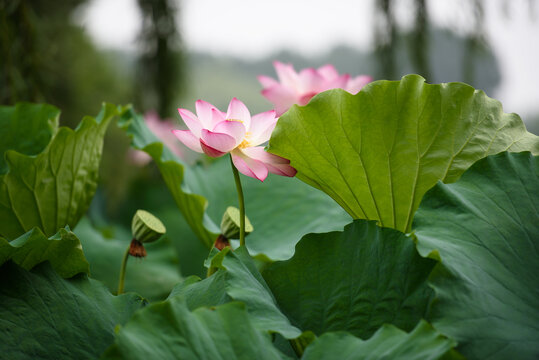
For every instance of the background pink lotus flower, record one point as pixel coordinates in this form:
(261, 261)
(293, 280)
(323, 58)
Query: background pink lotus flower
(216, 133)
(298, 88)
(161, 129)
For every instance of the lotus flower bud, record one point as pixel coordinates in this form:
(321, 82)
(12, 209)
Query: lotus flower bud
(230, 225)
(146, 228)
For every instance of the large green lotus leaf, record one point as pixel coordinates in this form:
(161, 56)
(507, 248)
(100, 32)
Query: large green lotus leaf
(46, 317)
(168, 330)
(237, 279)
(280, 209)
(152, 277)
(354, 280)
(377, 152)
(53, 188)
(63, 251)
(485, 229)
(26, 128)
(389, 342)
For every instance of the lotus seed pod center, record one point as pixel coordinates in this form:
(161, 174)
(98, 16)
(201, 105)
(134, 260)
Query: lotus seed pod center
(146, 227)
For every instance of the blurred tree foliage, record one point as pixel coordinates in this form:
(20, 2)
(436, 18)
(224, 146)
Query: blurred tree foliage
(44, 57)
(385, 35)
(160, 65)
(476, 41)
(419, 40)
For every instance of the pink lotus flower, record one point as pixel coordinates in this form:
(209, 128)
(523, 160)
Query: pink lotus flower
(298, 88)
(161, 129)
(216, 133)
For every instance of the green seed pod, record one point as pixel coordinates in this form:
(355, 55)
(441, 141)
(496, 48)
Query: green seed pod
(230, 225)
(146, 227)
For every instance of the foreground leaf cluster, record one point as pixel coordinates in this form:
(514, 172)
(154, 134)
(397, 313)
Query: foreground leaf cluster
(48, 186)
(427, 246)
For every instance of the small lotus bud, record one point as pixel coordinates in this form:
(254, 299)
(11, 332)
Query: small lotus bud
(136, 249)
(221, 242)
(146, 227)
(230, 225)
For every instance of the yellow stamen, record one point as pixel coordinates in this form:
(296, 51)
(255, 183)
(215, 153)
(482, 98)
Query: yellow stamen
(246, 141)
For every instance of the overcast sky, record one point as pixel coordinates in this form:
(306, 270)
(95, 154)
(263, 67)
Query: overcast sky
(255, 28)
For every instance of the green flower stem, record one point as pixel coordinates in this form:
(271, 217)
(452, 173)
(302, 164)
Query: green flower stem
(122, 272)
(241, 201)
